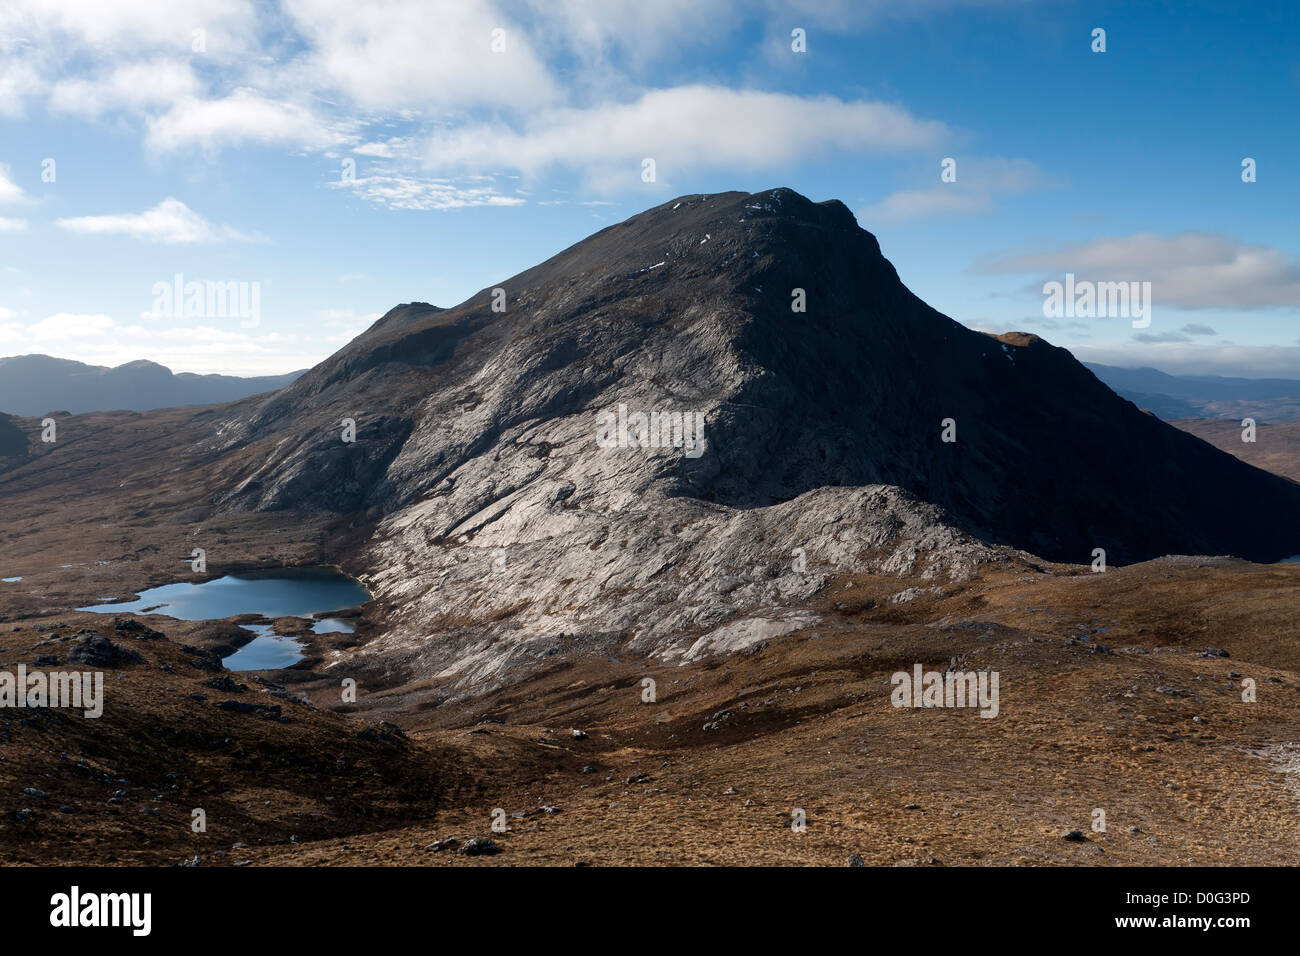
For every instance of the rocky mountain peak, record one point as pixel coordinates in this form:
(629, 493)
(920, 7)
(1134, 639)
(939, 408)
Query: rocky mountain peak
(697, 392)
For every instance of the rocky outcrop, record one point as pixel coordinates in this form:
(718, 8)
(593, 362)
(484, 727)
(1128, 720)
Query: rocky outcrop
(533, 576)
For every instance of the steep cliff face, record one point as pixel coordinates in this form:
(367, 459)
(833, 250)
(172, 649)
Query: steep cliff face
(502, 516)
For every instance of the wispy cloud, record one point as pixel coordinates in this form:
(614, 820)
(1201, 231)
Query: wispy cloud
(979, 181)
(241, 118)
(402, 191)
(10, 192)
(147, 83)
(171, 221)
(1192, 270)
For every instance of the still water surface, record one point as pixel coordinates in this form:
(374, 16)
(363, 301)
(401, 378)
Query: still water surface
(289, 592)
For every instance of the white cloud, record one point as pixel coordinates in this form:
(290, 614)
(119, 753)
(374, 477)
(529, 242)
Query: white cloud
(322, 75)
(134, 24)
(43, 42)
(423, 55)
(157, 82)
(91, 57)
(21, 80)
(12, 225)
(243, 117)
(171, 221)
(1192, 270)
(10, 191)
(68, 325)
(685, 127)
(384, 149)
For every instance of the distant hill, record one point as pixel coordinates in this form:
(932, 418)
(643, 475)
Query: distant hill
(36, 384)
(1173, 397)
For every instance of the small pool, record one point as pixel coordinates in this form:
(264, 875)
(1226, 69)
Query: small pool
(266, 651)
(289, 592)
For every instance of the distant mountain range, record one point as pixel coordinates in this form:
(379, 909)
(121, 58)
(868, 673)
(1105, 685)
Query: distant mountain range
(36, 384)
(1174, 397)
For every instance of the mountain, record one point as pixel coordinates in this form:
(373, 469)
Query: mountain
(687, 307)
(482, 507)
(477, 453)
(37, 384)
(1203, 396)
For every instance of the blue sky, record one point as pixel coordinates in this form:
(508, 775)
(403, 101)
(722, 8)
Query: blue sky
(342, 157)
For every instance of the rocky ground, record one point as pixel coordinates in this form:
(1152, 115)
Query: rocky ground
(1119, 691)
